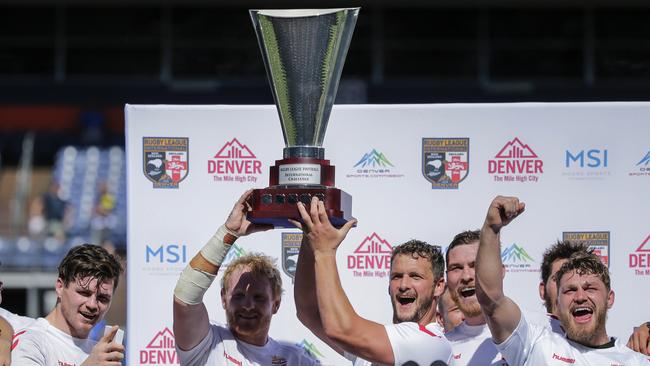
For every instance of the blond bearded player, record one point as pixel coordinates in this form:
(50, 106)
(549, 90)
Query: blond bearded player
(584, 296)
(416, 282)
(251, 290)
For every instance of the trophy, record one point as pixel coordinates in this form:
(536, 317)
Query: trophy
(303, 51)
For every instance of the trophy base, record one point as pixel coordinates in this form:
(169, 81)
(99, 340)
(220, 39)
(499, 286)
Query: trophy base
(276, 205)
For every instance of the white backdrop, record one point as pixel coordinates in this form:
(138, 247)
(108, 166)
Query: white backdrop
(601, 195)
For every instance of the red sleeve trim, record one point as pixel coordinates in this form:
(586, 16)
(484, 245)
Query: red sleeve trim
(15, 339)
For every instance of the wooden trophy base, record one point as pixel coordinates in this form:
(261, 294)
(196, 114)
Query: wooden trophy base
(276, 205)
(299, 179)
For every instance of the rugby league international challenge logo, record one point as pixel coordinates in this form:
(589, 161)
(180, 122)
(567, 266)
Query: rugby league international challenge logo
(234, 162)
(161, 350)
(516, 162)
(165, 160)
(371, 258)
(598, 241)
(639, 260)
(290, 250)
(445, 161)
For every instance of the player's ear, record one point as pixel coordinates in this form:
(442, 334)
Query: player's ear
(610, 299)
(223, 298)
(276, 305)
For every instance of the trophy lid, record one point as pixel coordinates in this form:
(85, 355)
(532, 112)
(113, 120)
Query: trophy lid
(304, 51)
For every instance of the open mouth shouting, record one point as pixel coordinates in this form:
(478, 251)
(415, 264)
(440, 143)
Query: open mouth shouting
(88, 317)
(582, 314)
(468, 291)
(405, 300)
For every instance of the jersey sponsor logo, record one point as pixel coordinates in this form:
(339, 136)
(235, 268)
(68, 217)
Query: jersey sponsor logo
(63, 363)
(231, 359)
(642, 168)
(586, 164)
(371, 258)
(639, 260)
(234, 162)
(597, 241)
(445, 161)
(374, 165)
(516, 259)
(516, 162)
(290, 250)
(161, 350)
(563, 358)
(165, 160)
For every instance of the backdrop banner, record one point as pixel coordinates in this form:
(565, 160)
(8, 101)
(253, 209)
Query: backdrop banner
(414, 171)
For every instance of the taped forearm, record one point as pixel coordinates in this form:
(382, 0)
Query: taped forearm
(194, 282)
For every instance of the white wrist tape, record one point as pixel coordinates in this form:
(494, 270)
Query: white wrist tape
(216, 249)
(192, 285)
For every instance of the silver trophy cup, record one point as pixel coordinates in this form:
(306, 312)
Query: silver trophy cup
(303, 51)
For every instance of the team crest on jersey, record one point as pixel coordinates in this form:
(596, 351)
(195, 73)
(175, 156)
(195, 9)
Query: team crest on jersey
(165, 160)
(290, 249)
(598, 241)
(445, 161)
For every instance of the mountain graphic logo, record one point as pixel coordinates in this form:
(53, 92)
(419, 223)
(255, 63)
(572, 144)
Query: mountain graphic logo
(310, 347)
(374, 244)
(642, 247)
(234, 150)
(374, 159)
(515, 253)
(162, 340)
(645, 161)
(234, 252)
(515, 149)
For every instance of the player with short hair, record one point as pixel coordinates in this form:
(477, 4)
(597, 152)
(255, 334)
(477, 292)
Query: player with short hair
(88, 276)
(416, 281)
(584, 297)
(251, 290)
(552, 259)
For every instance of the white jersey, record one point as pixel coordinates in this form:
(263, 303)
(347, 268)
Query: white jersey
(17, 322)
(531, 344)
(220, 348)
(414, 344)
(45, 345)
(472, 344)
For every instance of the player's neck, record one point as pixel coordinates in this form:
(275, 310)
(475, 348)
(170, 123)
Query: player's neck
(476, 320)
(598, 341)
(254, 339)
(55, 318)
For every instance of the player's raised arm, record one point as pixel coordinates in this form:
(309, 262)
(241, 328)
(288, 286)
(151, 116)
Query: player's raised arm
(501, 312)
(304, 294)
(340, 321)
(191, 321)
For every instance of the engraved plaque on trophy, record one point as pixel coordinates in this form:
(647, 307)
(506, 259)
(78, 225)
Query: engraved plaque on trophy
(303, 52)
